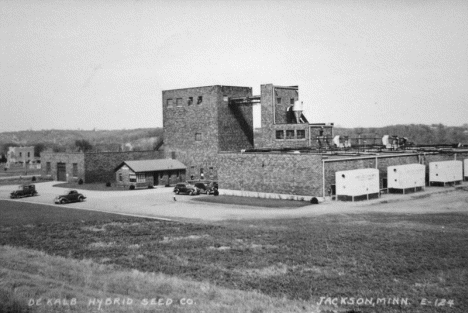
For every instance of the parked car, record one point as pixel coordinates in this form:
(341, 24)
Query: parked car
(24, 191)
(186, 188)
(207, 187)
(70, 196)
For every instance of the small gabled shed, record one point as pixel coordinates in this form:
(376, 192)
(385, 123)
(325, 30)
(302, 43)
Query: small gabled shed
(144, 173)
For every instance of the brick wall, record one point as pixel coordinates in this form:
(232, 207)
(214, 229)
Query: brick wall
(235, 121)
(99, 167)
(69, 159)
(294, 174)
(276, 118)
(220, 126)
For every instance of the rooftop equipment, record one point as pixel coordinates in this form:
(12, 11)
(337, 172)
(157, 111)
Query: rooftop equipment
(297, 109)
(357, 185)
(404, 178)
(444, 172)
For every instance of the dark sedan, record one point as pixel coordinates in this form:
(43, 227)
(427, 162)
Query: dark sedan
(70, 196)
(24, 191)
(186, 188)
(207, 187)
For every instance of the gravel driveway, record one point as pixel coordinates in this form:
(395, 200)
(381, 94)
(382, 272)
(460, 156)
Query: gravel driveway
(160, 203)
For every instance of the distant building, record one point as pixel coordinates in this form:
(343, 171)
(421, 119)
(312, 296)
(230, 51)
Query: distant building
(20, 154)
(89, 166)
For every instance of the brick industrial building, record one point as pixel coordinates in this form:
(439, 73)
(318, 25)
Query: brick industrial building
(210, 130)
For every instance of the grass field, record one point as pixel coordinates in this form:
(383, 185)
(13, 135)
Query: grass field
(360, 256)
(91, 186)
(257, 202)
(22, 181)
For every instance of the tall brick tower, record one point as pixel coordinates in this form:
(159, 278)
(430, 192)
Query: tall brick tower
(200, 122)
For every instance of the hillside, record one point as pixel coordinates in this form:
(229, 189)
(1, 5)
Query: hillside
(151, 138)
(100, 140)
(416, 133)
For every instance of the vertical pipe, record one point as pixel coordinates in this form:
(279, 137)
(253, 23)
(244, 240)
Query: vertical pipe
(323, 178)
(273, 102)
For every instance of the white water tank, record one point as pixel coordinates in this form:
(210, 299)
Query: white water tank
(386, 141)
(297, 109)
(406, 176)
(357, 182)
(445, 171)
(336, 141)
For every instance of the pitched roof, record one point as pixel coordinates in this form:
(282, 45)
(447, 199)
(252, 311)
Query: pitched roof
(153, 165)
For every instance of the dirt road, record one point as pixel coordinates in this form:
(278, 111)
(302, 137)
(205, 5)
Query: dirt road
(160, 203)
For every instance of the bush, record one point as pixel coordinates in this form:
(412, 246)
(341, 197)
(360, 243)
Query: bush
(108, 184)
(132, 187)
(216, 192)
(150, 187)
(33, 178)
(80, 182)
(314, 200)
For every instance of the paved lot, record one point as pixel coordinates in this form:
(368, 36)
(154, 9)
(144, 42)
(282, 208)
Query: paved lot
(160, 203)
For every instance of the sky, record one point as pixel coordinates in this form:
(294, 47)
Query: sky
(103, 64)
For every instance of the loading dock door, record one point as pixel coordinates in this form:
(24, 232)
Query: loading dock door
(61, 172)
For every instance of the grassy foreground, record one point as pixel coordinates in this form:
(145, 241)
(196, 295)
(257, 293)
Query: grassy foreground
(417, 263)
(37, 282)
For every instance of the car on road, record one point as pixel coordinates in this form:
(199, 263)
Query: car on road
(24, 191)
(186, 188)
(207, 187)
(70, 196)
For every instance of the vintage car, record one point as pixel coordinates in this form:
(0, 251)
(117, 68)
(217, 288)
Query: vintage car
(186, 188)
(70, 196)
(207, 187)
(24, 191)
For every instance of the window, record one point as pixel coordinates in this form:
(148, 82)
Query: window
(169, 103)
(202, 175)
(190, 101)
(161, 174)
(291, 101)
(211, 171)
(179, 102)
(120, 177)
(200, 100)
(300, 134)
(75, 170)
(21, 153)
(278, 100)
(290, 134)
(132, 178)
(225, 98)
(29, 154)
(198, 137)
(280, 134)
(141, 178)
(48, 168)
